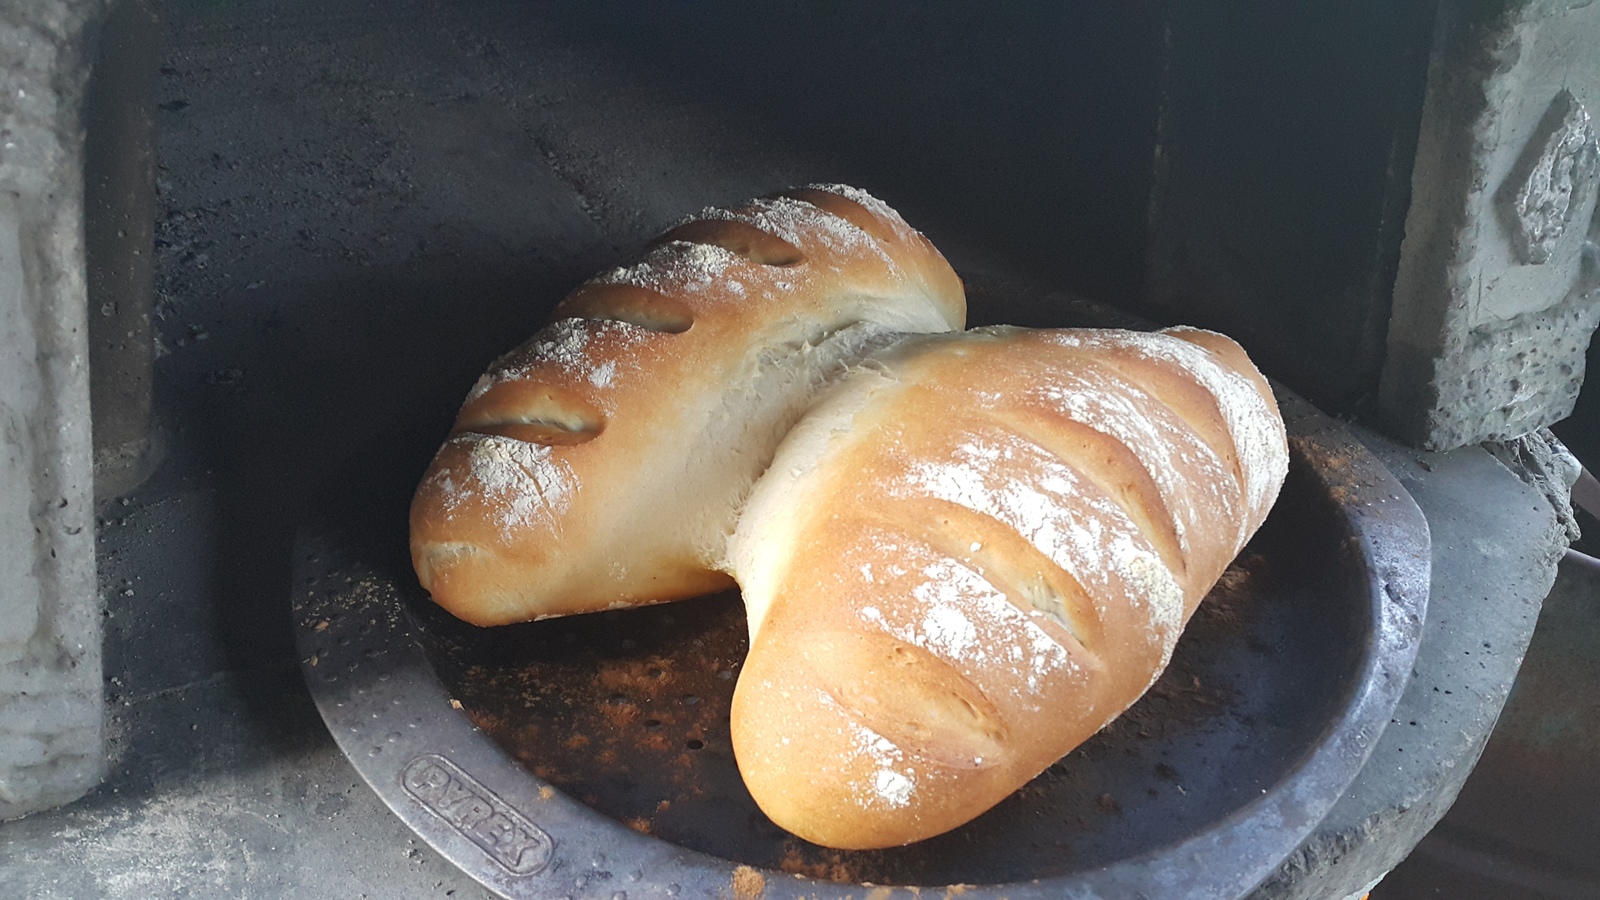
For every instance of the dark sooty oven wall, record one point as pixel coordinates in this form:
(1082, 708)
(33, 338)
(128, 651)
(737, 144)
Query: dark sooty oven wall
(1018, 135)
(1023, 137)
(1283, 178)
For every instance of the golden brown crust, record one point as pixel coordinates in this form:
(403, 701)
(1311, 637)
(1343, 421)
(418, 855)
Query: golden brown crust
(602, 463)
(972, 557)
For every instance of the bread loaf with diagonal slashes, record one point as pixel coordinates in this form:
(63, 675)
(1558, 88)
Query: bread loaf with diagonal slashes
(603, 463)
(975, 552)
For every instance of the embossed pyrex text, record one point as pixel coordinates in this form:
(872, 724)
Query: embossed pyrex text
(508, 838)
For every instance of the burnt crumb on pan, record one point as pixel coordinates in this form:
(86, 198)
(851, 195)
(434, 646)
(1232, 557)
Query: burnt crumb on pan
(748, 883)
(1237, 585)
(829, 865)
(626, 712)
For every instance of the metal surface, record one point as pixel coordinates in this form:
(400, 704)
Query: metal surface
(1277, 693)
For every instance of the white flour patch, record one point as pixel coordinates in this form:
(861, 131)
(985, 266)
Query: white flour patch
(1151, 579)
(564, 353)
(1257, 433)
(946, 628)
(676, 268)
(603, 374)
(893, 788)
(889, 785)
(797, 222)
(963, 619)
(882, 209)
(1163, 443)
(1084, 532)
(521, 482)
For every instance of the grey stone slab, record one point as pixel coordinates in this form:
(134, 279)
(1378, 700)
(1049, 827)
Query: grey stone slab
(50, 706)
(19, 609)
(225, 787)
(1527, 822)
(1495, 297)
(1496, 544)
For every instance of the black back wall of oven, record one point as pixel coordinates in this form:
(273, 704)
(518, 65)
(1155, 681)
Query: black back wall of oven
(1242, 166)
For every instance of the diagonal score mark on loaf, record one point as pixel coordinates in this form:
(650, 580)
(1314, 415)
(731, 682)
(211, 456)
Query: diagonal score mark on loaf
(798, 223)
(639, 306)
(1178, 392)
(937, 713)
(1108, 466)
(535, 393)
(1031, 491)
(740, 238)
(833, 200)
(1135, 448)
(1025, 575)
(1225, 407)
(544, 414)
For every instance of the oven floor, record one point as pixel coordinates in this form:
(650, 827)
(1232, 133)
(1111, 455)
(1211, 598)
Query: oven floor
(360, 205)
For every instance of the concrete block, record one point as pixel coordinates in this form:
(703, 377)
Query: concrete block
(1547, 466)
(50, 682)
(1498, 289)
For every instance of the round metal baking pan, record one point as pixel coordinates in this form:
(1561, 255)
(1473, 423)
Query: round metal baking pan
(589, 756)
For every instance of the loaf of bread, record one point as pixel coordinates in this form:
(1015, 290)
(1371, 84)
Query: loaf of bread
(974, 553)
(603, 463)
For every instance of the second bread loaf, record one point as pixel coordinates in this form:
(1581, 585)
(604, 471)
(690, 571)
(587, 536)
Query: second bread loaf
(975, 553)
